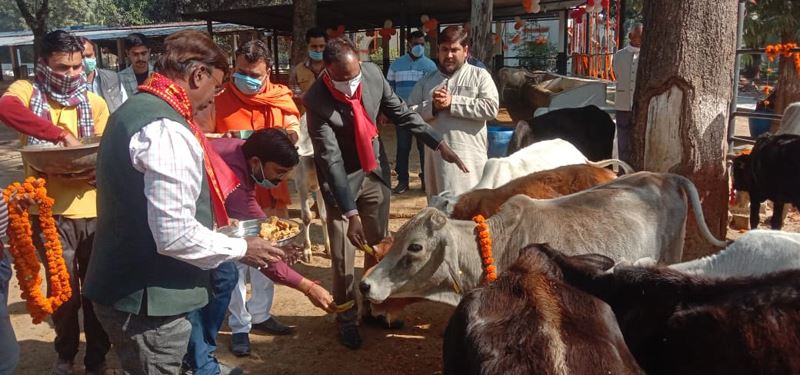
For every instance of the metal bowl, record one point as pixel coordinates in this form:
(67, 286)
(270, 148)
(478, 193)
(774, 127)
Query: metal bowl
(64, 161)
(248, 228)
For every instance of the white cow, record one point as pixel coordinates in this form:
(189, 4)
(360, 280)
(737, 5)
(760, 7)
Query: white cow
(305, 181)
(756, 253)
(635, 216)
(539, 156)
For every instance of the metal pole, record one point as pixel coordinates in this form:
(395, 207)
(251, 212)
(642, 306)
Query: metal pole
(275, 52)
(210, 28)
(15, 63)
(736, 63)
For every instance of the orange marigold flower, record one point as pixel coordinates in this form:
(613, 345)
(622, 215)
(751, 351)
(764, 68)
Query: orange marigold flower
(26, 262)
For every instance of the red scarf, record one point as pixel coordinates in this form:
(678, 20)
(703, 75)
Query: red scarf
(221, 179)
(365, 129)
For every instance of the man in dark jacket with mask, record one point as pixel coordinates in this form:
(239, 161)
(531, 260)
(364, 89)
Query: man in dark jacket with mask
(342, 107)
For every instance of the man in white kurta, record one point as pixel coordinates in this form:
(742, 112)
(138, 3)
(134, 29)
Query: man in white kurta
(456, 100)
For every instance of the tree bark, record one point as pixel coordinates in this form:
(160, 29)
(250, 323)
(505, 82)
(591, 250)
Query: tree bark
(787, 90)
(37, 22)
(481, 21)
(683, 90)
(305, 17)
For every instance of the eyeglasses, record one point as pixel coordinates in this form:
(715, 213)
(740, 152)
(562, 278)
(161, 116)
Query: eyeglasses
(219, 86)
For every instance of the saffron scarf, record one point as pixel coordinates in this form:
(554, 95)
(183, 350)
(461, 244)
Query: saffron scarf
(365, 129)
(275, 101)
(64, 90)
(221, 179)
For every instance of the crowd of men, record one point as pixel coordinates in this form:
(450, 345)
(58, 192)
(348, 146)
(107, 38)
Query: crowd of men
(150, 275)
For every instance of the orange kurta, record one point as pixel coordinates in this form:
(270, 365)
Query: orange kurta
(272, 108)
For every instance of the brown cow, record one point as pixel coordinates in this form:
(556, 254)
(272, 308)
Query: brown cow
(540, 185)
(675, 323)
(530, 322)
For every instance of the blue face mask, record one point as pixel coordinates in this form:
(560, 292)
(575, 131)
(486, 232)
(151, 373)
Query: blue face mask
(315, 55)
(263, 182)
(418, 50)
(89, 64)
(246, 84)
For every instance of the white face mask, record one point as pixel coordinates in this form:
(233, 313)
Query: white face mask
(348, 87)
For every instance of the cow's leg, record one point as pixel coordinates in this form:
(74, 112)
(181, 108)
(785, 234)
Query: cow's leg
(323, 215)
(776, 222)
(302, 182)
(755, 209)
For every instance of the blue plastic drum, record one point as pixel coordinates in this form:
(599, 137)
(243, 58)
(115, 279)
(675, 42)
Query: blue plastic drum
(499, 137)
(759, 126)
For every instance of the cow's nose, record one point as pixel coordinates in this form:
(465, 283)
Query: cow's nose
(363, 287)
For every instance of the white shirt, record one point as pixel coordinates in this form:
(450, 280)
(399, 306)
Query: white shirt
(171, 159)
(625, 64)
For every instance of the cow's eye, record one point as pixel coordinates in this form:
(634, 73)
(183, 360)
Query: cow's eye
(414, 248)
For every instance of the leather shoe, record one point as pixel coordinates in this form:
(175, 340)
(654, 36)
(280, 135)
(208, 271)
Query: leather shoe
(240, 344)
(349, 337)
(400, 189)
(273, 326)
(382, 322)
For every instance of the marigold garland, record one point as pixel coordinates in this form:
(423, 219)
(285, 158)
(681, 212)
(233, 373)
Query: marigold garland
(785, 50)
(26, 262)
(485, 242)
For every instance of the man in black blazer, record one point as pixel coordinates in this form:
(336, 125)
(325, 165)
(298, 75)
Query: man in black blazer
(341, 109)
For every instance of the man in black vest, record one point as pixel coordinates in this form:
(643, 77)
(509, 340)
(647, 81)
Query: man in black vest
(159, 191)
(101, 81)
(342, 107)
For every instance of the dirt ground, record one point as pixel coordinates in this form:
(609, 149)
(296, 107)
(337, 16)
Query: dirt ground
(313, 349)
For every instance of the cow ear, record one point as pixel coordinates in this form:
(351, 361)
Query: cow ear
(438, 220)
(595, 262)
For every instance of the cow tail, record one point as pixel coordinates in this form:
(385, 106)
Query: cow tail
(694, 200)
(605, 163)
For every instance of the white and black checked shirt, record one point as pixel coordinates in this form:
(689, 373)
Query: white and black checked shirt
(171, 159)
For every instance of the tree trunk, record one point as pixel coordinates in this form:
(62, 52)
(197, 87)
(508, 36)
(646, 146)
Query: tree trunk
(37, 22)
(787, 90)
(683, 90)
(481, 21)
(305, 17)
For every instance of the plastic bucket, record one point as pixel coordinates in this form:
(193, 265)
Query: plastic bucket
(759, 126)
(499, 137)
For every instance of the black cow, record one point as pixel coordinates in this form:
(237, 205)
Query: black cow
(530, 322)
(771, 171)
(589, 129)
(676, 323)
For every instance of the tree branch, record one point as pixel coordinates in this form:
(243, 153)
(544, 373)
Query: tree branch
(26, 14)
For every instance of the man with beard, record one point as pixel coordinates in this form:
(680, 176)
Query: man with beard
(138, 51)
(456, 100)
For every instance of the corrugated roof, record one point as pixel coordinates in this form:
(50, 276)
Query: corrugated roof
(370, 14)
(21, 38)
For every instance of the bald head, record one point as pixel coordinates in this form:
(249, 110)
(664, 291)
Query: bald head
(341, 59)
(635, 35)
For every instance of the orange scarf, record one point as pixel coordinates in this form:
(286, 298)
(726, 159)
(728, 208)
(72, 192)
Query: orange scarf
(237, 111)
(221, 179)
